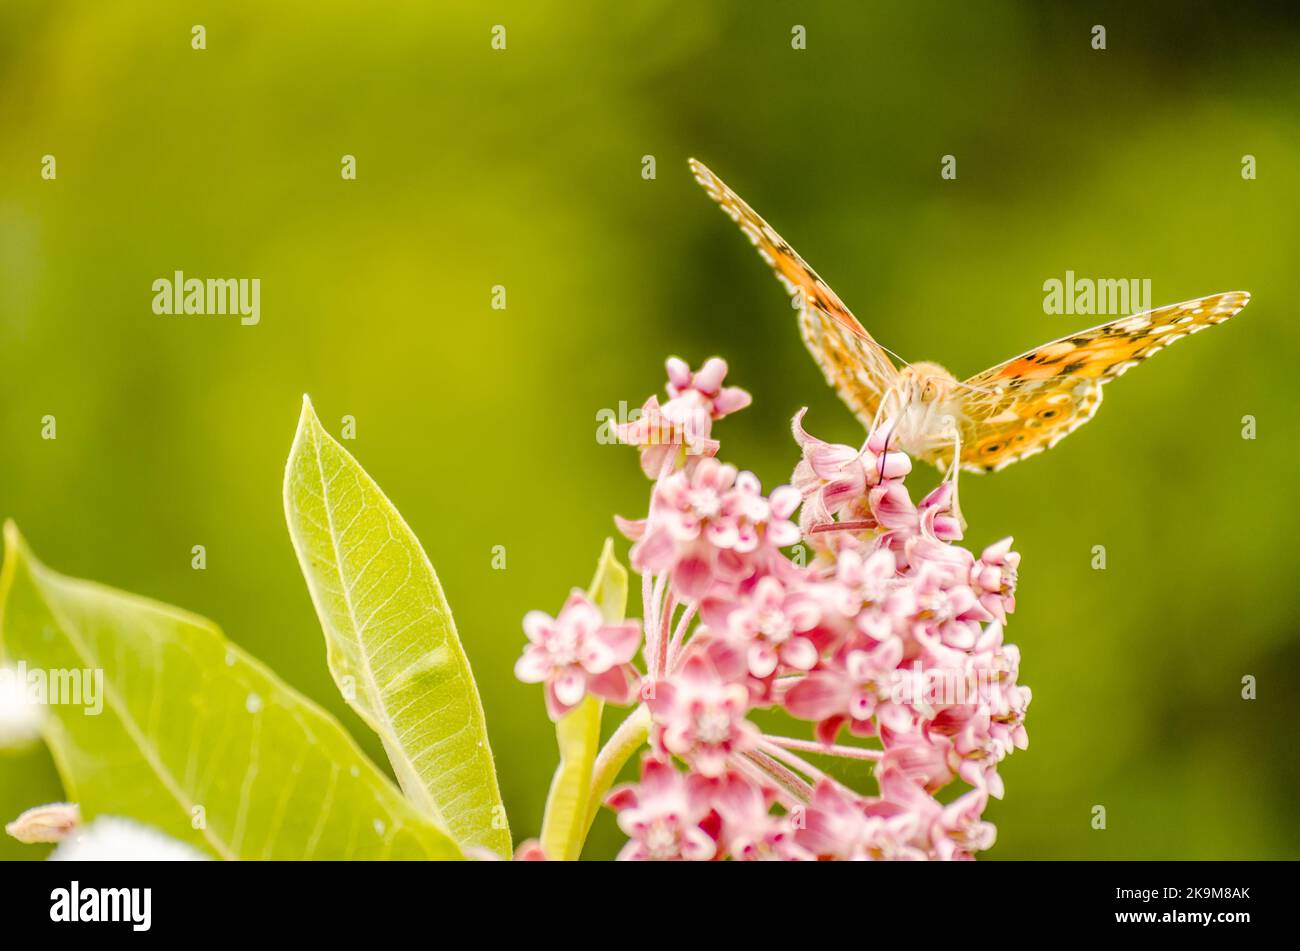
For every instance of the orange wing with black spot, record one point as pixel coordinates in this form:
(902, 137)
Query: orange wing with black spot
(1032, 402)
(854, 364)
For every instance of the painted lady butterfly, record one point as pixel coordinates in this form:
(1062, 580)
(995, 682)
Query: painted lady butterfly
(1005, 414)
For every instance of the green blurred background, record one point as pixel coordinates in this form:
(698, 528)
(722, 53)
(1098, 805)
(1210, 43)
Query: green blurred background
(523, 168)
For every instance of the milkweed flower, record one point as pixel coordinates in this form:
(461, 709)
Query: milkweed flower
(21, 715)
(769, 623)
(854, 692)
(748, 831)
(577, 653)
(709, 523)
(993, 577)
(662, 816)
(529, 851)
(114, 839)
(701, 718)
(704, 387)
(663, 438)
(888, 642)
(682, 427)
(841, 825)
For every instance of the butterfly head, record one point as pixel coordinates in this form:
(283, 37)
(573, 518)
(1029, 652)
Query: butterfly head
(923, 384)
(924, 404)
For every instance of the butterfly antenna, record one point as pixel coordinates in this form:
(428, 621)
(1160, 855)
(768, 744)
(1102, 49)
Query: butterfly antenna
(971, 386)
(893, 354)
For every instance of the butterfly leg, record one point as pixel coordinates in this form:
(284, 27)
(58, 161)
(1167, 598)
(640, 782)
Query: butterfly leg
(884, 417)
(954, 469)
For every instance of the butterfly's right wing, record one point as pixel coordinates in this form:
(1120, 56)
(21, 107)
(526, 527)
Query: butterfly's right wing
(1032, 402)
(854, 364)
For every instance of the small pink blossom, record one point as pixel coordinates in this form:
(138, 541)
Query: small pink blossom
(768, 624)
(839, 825)
(938, 520)
(923, 760)
(688, 519)
(750, 831)
(662, 816)
(959, 832)
(662, 437)
(862, 581)
(530, 851)
(947, 614)
(994, 578)
(681, 429)
(701, 717)
(578, 653)
(852, 694)
(709, 524)
(841, 474)
(705, 385)
(834, 481)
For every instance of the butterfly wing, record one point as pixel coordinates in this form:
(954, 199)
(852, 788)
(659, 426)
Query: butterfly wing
(854, 364)
(1032, 402)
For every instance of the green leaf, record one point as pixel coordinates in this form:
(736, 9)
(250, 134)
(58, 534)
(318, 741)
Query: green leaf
(390, 638)
(193, 728)
(609, 586)
(564, 826)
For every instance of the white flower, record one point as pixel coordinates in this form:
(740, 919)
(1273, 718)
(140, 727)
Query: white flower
(20, 714)
(112, 839)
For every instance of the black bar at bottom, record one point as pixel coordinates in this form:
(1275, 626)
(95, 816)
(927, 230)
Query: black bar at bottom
(345, 901)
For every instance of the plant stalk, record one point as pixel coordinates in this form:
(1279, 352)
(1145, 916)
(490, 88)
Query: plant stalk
(627, 739)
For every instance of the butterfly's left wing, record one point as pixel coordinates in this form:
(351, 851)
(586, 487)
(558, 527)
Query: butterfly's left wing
(853, 363)
(1032, 402)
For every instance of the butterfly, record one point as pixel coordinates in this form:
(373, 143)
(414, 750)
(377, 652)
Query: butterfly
(1005, 414)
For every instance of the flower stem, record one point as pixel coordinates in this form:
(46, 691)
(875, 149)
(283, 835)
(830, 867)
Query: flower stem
(810, 746)
(793, 784)
(795, 762)
(788, 799)
(661, 643)
(655, 607)
(627, 739)
(859, 526)
(679, 635)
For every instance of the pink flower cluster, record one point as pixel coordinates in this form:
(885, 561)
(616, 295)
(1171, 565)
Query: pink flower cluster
(684, 424)
(864, 618)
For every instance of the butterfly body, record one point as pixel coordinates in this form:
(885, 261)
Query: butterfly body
(1007, 413)
(924, 409)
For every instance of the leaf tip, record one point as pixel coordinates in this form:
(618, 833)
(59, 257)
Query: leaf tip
(307, 419)
(15, 552)
(13, 537)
